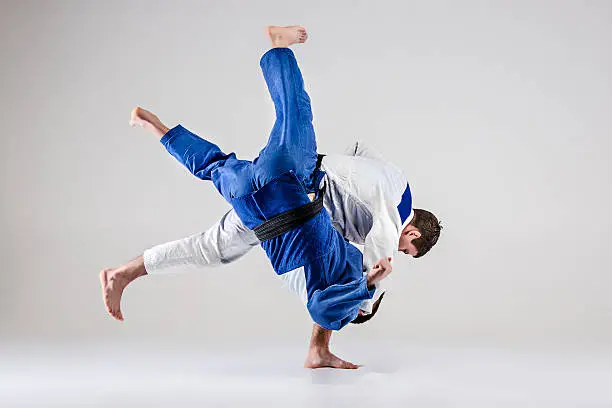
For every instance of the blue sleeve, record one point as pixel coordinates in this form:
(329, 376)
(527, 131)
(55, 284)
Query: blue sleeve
(337, 305)
(199, 156)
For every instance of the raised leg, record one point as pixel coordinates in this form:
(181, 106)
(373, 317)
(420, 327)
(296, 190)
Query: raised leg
(201, 157)
(292, 143)
(224, 242)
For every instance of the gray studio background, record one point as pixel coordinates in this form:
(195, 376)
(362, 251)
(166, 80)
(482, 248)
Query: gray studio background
(498, 111)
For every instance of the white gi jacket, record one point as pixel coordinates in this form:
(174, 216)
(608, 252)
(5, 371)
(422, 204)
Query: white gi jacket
(362, 194)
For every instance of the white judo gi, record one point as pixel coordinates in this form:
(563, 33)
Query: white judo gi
(362, 194)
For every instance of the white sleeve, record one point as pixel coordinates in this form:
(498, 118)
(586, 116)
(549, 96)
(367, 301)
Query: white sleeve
(381, 242)
(378, 245)
(224, 242)
(361, 149)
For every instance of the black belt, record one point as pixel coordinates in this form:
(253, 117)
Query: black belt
(288, 220)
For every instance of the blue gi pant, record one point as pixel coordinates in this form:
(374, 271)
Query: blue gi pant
(291, 146)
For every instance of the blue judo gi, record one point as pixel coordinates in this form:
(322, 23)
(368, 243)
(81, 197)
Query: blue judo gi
(278, 180)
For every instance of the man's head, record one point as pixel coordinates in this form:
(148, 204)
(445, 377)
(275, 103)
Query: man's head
(420, 234)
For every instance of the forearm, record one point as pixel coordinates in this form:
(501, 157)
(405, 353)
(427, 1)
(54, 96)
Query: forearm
(367, 305)
(380, 243)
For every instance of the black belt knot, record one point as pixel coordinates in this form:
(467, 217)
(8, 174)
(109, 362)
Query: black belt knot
(288, 220)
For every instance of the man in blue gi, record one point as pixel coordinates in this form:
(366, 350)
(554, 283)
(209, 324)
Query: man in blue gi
(272, 195)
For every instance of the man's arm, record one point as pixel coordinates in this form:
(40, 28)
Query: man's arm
(226, 241)
(380, 243)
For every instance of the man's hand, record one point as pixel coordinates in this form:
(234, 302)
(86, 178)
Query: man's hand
(379, 272)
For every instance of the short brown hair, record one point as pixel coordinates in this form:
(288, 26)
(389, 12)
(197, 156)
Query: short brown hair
(429, 227)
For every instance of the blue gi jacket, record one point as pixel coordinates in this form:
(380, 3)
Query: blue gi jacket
(333, 267)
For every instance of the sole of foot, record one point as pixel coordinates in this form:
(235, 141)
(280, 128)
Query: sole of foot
(286, 36)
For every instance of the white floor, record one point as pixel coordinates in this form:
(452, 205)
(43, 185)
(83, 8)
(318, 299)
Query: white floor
(391, 376)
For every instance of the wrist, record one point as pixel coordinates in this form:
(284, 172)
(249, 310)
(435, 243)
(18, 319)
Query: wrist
(369, 283)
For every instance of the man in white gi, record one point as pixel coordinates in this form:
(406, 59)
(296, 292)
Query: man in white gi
(370, 203)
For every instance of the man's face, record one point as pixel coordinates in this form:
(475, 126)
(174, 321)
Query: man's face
(409, 234)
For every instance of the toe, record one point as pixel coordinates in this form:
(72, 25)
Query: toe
(347, 365)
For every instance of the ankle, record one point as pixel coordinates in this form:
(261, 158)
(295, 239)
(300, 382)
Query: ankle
(136, 267)
(129, 272)
(277, 42)
(318, 350)
(161, 128)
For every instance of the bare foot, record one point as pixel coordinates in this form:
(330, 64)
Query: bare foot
(286, 36)
(114, 281)
(147, 120)
(324, 358)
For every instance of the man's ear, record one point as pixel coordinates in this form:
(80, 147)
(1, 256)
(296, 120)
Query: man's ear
(414, 234)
